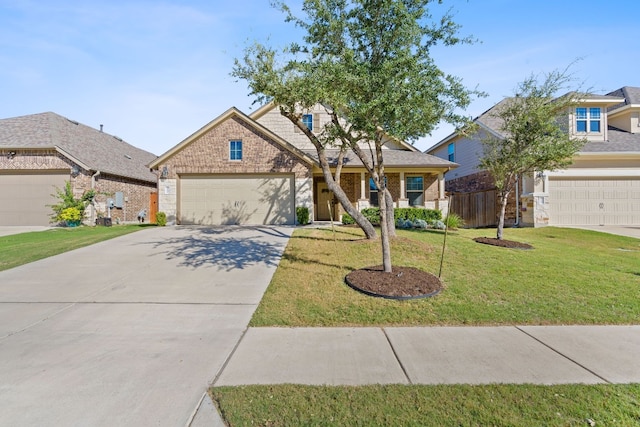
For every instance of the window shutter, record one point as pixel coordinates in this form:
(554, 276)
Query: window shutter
(316, 123)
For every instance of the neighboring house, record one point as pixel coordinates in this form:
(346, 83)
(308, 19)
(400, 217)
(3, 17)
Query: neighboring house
(601, 187)
(40, 152)
(256, 169)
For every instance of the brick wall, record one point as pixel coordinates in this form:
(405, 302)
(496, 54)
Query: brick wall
(210, 154)
(136, 192)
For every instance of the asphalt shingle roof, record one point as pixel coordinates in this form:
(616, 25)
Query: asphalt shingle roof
(98, 150)
(629, 93)
(395, 158)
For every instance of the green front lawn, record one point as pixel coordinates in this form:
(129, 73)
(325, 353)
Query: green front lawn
(23, 248)
(443, 405)
(571, 277)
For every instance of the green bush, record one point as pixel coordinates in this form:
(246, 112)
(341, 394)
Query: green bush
(405, 214)
(453, 221)
(414, 214)
(372, 214)
(67, 200)
(161, 219)
(302, 214)
(347, 219)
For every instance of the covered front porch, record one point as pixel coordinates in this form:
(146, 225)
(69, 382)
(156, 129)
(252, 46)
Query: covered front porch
(416, 187)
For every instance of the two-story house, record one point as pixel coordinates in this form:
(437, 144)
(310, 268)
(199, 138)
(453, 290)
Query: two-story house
(601, 187)
(256, 169)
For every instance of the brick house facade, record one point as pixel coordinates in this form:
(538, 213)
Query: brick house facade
(201, 183)
(42, 152)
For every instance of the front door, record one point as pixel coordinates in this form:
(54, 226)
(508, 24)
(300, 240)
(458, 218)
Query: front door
(325, 202)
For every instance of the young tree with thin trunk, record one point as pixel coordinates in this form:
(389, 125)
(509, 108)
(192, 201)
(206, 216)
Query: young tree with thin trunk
(369, 62)
(536, 134)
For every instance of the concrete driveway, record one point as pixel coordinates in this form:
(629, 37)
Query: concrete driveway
(620, 230)
(130, 331)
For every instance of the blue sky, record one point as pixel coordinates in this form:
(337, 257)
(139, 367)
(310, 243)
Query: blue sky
(153, 72)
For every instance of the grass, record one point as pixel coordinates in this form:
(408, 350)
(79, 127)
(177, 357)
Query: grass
(18, 249)
(442, 405)
(571, 276)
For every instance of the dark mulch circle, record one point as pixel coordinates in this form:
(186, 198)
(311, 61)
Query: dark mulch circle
(402, 283)
(503, 243)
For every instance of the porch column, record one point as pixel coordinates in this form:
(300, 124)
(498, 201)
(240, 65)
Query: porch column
(402, 192)
(363, 188)
(441, 194)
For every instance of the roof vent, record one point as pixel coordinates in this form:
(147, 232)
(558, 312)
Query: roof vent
(118, 138)
(101, 127)
(73, 121)
(127, 156)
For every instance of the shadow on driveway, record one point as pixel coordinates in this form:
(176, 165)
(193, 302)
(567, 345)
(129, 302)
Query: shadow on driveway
(226, 248)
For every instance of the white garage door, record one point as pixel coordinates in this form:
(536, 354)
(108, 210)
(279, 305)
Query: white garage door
(24, 197)
(237, 199)
(594, 201)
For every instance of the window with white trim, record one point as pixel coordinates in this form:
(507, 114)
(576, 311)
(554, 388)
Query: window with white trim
(588, 120)
(415, 190)
(235, 149)
(373, 193)
(451, 151)
(307, 120)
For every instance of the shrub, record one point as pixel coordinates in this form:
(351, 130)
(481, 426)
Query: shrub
(302, 214)
(347, 219)
(421, 224)
(68, 200)
(161, 219)
(70, 216)
(439, 225)
(453, 221)
(372, 214)
(404, 224)
(413, 214)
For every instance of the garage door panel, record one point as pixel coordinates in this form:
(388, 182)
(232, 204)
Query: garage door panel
(239, 199)
(25, 197)
(591, 201)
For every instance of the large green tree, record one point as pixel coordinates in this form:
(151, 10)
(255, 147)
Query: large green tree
(369, 62)
(536, 134)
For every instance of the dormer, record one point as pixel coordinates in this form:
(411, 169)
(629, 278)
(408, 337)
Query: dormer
(626, 115)
(589, 118)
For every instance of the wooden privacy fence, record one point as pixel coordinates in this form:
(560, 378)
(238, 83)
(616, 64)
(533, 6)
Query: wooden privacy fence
(477, 209)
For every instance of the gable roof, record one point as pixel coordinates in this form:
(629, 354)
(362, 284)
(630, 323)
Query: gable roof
(90, 148)
(631, 97)
(230, 113)
(256, 115)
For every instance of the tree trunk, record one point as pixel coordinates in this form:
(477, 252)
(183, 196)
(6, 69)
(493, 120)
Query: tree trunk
(334, 187)
(384, 218)
(503, 209)
(391, 220)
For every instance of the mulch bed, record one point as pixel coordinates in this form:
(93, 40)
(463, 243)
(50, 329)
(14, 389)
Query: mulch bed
(503, 243)
(402, 283)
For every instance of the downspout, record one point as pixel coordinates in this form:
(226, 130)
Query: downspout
(93, 202)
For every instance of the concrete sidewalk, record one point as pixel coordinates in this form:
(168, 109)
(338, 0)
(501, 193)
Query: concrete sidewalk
(436, 355)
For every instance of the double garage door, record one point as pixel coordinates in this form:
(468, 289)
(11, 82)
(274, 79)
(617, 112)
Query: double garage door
(236, 199)
(24, 197)
(595, 201)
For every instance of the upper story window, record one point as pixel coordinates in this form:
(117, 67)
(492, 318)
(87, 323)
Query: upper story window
(307, 120)
(588, 120)
(415, 190)
(235, 150)
(451, 151)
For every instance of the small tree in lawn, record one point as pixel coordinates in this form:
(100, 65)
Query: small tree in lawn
(535, 126)
(369, 63)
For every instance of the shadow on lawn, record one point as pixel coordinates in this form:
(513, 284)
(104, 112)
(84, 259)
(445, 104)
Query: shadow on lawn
(225, 248)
